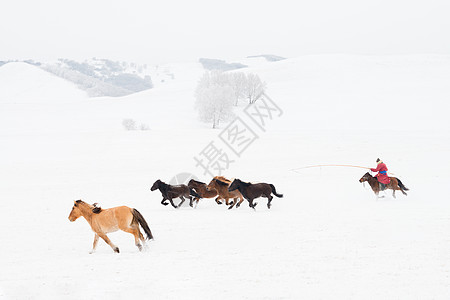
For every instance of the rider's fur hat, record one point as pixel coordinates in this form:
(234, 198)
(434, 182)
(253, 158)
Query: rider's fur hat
(379, 161)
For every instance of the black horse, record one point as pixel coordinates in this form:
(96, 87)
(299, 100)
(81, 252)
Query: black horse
(251, 191)
(169, 192)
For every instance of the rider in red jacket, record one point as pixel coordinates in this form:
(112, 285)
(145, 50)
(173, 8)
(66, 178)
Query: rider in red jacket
(382, 176)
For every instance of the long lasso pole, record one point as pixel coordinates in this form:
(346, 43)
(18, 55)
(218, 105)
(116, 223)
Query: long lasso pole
(318, 166)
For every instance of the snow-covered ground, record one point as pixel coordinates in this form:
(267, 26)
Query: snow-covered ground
(327, 238)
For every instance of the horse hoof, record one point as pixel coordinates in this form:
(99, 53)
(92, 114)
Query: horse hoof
(116, 250)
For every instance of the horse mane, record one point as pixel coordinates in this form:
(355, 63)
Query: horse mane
(245, 183)
(240, 182)
(222, 182)
(164, 187)
(96, 209)
(198, 182)
(222, 179)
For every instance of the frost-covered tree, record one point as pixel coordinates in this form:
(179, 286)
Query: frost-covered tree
(238, 82)
(254, 88)
(214, 99)
(129, 124)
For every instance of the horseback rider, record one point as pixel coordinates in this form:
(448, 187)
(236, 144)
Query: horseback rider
(382, 176)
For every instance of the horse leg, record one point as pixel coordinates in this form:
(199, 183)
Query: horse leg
(233, 203)
(270, 200)
(217, 200)
(137, 236)
(393, 193)
(181, 203)
(376, 189)
(108, 241)
(94, 246)
(190, 201)
(171, 202)
(163, 202)
(240, 201)
(250, 203)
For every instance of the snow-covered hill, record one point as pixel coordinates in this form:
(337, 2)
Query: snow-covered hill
(25, 83)
(327, 238)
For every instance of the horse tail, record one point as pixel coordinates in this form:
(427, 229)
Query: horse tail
(275, 191)
(140, 219)
(402, 186)
(193, 193)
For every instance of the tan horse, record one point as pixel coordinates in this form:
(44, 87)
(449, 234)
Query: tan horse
(221, 184)
(201, 189)
(104, 221)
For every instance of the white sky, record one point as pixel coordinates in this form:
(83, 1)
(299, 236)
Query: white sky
(167, 30)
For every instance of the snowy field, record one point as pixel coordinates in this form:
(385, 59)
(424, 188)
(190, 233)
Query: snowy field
(328, 238)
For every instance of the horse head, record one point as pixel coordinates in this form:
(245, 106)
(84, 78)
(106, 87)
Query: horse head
(155, 186)
(191, 183)
(211, 185)
(234, 185)
(75, 213)
(366, 177)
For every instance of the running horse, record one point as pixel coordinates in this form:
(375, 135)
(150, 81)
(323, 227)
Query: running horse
(103, 221)
(221, 184)
(251, 191)
(395, 184)
(170, 192)
(201, 189)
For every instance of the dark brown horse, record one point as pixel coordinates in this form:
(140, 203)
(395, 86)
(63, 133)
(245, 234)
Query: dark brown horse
(201, 189)
(251, 191)
(169, 192)
(221, 184)
(395, 184)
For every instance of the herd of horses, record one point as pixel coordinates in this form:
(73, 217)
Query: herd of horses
(103, 221)
(220, 188)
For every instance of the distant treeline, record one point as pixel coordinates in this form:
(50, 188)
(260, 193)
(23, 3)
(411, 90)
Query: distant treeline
(98, 77)
(219, 65)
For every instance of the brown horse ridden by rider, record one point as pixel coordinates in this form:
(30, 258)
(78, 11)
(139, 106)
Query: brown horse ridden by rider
(201, 189)
(169, 192)
(395, 184)
(221, 184)
(251, 191)
(103, 221)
